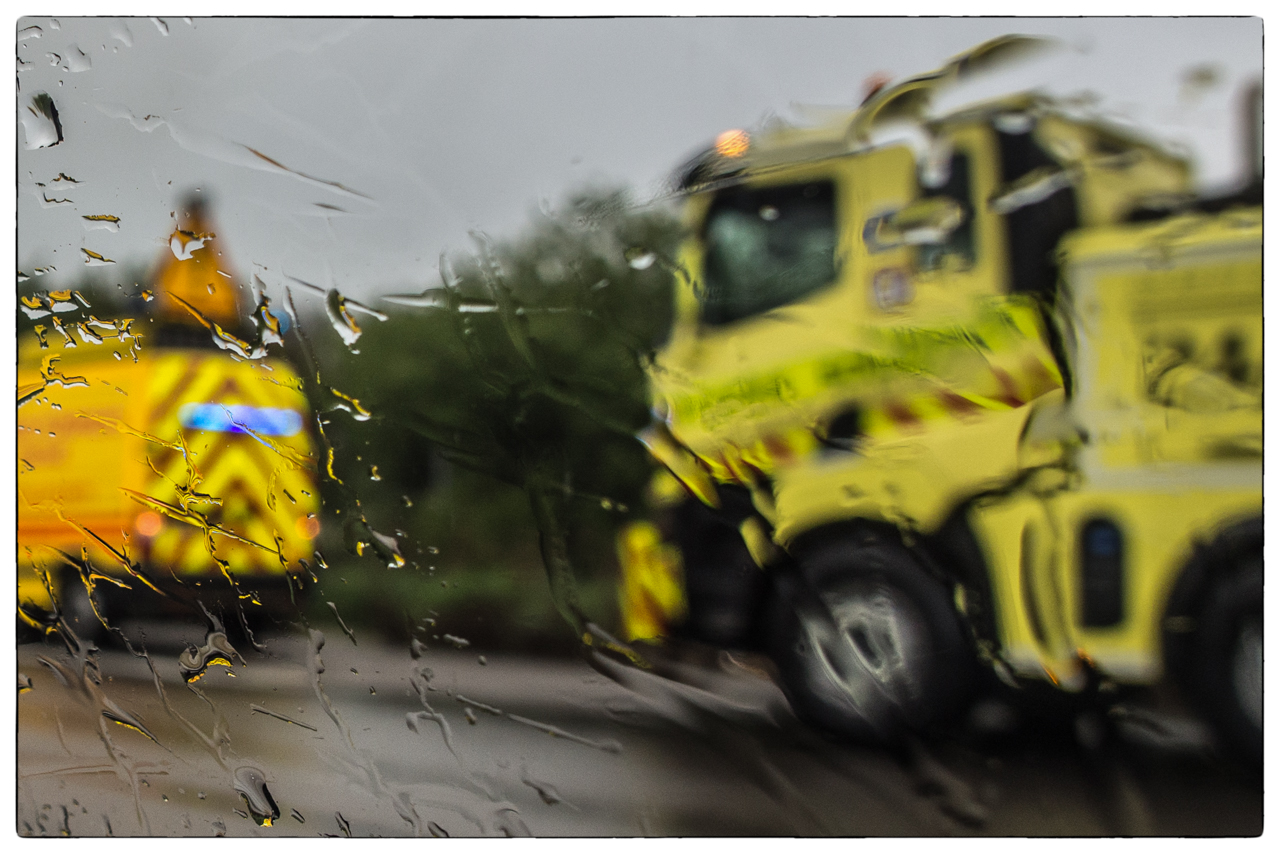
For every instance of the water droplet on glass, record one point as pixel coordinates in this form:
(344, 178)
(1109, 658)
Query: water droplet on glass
(64, 301)
(483, 661)
(161, 26)
(194, 661)
(93, 259)
(297, 816)
(546, 791)
(219, 829)
(270, 325)
(183, 243)
(640, 259)
(469, 715)
(76, 60)
(457, 642)
(101, 221)
(348, 404)
(119, 31)
(417, 648)
(252, 786)
(30, 33)
(40, 123)
(24, 683)
(373, 473)
(34, 307)
(430, 298)
(437, 831)
(339, 310)
(334, 608)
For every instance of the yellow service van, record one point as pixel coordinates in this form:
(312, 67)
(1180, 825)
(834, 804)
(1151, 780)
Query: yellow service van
(156, 470)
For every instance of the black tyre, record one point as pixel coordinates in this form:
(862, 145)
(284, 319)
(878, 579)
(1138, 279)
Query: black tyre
(78, 611)
(1226, 667)
(723, 584)
(868, 645)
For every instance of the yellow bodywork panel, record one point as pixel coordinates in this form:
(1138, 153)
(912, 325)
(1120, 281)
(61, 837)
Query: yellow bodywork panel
(1166, 330)
(160, 461)
(913, 482)
(1032, 545)
(651, 597)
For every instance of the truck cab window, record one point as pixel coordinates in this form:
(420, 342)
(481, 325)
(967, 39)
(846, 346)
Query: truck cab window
(767, 247)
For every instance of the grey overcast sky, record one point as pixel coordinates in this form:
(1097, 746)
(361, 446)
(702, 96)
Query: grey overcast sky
(401, 136)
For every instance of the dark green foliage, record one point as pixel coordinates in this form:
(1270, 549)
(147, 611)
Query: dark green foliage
(525, 364)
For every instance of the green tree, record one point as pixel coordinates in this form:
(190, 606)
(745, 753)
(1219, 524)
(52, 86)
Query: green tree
(525, 363)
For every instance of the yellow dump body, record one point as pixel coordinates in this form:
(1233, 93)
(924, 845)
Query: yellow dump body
(190, 465)
(1164, 324)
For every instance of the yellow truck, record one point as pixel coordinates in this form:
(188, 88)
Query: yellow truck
(989, 399)
(164, 464)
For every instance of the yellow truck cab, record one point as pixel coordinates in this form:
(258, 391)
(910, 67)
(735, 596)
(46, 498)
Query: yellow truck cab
(984, 398)
(163, 463)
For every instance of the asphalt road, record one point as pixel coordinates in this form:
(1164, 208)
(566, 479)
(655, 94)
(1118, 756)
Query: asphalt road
(368, 740)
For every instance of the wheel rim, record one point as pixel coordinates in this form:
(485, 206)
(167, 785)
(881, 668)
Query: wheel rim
(1246, 671)
(877, 650)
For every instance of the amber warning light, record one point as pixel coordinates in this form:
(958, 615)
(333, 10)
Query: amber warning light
(148, 523)
(308, 527)
(732, 143)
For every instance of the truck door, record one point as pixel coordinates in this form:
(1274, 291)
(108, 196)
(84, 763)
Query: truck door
(778, 283)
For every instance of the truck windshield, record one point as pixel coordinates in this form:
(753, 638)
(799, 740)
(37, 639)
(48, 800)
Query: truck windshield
(766, 247)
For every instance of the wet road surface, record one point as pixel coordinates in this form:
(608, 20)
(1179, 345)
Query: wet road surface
(368, 740)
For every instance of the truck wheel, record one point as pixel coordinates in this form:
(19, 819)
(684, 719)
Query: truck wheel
(723, 586)
(1227, 663)
(78, 612)
(867, 644)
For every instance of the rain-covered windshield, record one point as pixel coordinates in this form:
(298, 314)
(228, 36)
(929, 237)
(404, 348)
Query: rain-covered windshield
(766, 248)
(373, 478)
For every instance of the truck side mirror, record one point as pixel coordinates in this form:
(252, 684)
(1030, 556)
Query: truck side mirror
(922, 222)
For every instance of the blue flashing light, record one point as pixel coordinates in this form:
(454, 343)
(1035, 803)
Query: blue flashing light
(236, 418)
